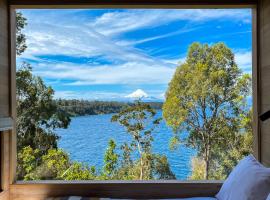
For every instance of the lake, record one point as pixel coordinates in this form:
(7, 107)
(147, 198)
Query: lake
(87, 138)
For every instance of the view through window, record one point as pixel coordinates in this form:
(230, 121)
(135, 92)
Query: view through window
(133, 94)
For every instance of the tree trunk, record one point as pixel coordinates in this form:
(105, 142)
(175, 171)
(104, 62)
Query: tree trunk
(206, 159)
(141, 174)
(141, 160)
(207, 169)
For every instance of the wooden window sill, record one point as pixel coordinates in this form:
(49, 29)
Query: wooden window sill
(115, 189)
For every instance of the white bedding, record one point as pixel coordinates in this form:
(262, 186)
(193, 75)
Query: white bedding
(194, 198)
(81, 198)
(200, 198)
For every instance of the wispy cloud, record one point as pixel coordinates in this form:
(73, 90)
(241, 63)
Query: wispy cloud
(157, 37)
(90, 95)
(126, 57)
(128, 73)
(118, 22)
(54, 40)
(66, 35)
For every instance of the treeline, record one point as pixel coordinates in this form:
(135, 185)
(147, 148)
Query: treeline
(77, 107)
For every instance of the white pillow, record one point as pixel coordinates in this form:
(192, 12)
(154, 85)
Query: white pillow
(268, 197)
(249, 180)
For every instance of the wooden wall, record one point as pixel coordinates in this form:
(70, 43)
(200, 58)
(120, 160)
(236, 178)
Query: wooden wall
(264, 77)
(5, 111)
(4, 64)
(5, 166)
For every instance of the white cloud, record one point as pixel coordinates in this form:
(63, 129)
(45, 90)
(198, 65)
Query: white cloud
(178, 32)
(62, 33)
(83, 42)
(89, 95)
(244, 60)
(127, 73)
(118, 22)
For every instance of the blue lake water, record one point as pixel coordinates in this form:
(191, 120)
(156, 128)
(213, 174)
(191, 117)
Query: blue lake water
(87, 138)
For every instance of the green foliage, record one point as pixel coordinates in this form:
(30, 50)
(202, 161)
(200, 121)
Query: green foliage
(139, 123)
(20, 37)
(198, 169)
(79, 171)
(77, 107)
(225, 160)
(110, 159)
(37, 117)
(174, 142)
(126, 155)
(155, 167)
(161, 168)
(27, 162)
(54, 165)
(206, 97)
(241, 146)
(37, 113)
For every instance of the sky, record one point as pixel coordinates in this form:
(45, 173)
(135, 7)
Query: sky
(116, 54)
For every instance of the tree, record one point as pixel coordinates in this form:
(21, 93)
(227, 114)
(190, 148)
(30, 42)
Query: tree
(198, 169)
(28, 160)
(161, 168)
(139, 123)
(110, 159)
(21, 22)
(139, 120)
(37, 113)
(53, 165)
(241, 146)
(205, 97)
(79, 171)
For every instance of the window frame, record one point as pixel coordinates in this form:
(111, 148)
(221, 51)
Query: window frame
(124, 189)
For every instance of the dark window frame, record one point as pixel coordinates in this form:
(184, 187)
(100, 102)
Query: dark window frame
(126, 189)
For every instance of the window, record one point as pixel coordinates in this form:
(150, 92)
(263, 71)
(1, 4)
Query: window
(95, 103)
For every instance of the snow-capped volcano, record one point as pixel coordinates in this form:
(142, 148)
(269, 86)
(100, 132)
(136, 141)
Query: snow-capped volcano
(138, 94)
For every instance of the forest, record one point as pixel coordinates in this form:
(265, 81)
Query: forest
(206, 97)
(75, 107)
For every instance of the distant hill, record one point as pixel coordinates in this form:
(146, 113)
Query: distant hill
(86, 107)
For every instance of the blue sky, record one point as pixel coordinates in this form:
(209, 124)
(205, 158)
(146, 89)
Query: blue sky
(111, 53)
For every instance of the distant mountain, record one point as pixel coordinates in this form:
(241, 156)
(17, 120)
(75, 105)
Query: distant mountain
(141, 95)
(138, 94)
